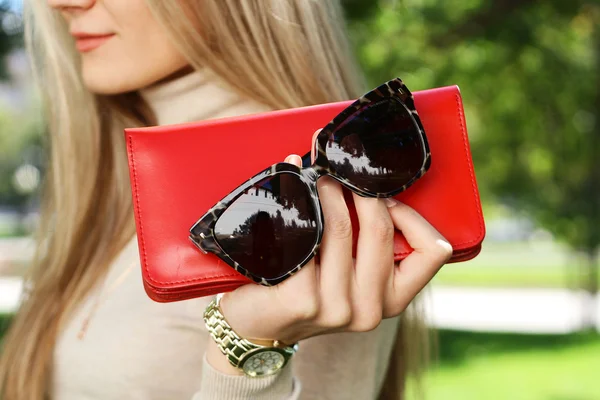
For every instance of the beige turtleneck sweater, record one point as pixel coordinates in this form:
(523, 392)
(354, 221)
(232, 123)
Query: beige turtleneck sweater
(134, 348)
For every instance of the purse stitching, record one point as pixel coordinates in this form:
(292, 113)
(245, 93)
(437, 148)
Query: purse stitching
(470, 167)
(461, 119)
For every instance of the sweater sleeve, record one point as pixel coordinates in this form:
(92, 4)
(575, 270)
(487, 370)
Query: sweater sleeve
(217, 385)
(345, 366)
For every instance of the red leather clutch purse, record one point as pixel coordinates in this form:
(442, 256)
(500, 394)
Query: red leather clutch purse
(178, 172)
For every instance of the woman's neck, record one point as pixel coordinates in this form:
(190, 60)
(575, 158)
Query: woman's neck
(195, 96)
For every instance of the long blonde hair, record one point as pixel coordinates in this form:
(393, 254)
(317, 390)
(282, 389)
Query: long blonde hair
(283, 53)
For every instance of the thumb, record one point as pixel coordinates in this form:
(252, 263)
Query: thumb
(294, 159)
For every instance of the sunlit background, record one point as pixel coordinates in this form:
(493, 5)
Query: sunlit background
(520, 321)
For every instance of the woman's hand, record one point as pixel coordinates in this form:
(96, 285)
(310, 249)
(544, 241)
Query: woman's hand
(341, 294)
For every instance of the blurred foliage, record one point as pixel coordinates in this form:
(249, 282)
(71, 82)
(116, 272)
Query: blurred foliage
(10, 35)
(5, 320)
(20, 144)
(19, 125)
(531, 264)
(529, 73)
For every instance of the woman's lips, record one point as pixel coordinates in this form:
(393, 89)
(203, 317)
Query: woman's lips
(85, 43)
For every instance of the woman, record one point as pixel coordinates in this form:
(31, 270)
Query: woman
(86, 330)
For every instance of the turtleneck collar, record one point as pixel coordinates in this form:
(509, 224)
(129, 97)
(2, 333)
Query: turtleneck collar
(196, 96)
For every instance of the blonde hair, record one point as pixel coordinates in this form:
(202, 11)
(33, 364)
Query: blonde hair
(281, 53)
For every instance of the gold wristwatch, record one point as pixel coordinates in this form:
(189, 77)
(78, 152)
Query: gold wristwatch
(254, 359)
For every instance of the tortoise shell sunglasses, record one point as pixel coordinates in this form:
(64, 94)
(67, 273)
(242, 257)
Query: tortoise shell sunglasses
(269, 227)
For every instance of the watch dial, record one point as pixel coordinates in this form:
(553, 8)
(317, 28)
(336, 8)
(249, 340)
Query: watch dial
(264, 363)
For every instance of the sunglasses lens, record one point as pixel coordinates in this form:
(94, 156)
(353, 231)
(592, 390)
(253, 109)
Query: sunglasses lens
(271, 228)
(379, 148)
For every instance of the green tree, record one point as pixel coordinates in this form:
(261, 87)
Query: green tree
(10, 35)
(529, 75)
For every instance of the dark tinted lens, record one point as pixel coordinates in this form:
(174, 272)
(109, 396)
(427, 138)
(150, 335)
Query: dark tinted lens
(271, 228)
(379, 148)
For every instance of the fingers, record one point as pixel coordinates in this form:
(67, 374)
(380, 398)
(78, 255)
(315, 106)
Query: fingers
(337, 270)
(374, 261)
(311, 265)
(431, 251)
(295, 299)
(419, 233)
(340, 295)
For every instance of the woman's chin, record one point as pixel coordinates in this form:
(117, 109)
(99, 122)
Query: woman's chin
(106, 80)
(107, 84)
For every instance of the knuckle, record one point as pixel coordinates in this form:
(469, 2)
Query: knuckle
(338, 317)
(395, 309)
(367, 321)
(306, 310)
(442, 250)
(382, 229)
(339, 225)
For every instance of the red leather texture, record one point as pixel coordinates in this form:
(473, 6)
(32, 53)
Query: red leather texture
(178, 172)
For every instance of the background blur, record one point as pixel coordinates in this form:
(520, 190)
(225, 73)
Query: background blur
(521, 321)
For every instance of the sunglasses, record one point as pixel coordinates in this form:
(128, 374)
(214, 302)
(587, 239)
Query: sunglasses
(272, 225)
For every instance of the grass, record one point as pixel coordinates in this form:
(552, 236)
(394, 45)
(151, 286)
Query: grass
(516, 367)
(514, 276)
(10, 230)
(539, 265)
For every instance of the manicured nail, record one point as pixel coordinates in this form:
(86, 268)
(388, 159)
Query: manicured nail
(293, 159)
(390, 202)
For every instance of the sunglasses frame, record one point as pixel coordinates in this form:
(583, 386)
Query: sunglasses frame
(202, 233)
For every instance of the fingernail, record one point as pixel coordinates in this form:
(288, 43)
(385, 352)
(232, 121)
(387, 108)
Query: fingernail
(390, 202)
(293, 159)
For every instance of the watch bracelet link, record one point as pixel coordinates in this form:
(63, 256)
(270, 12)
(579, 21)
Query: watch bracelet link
(230, 344)
(227, 340)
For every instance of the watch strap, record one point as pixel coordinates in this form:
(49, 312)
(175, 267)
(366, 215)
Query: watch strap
(228, 341)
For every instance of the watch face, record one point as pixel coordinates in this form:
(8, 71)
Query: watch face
(265, 362)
